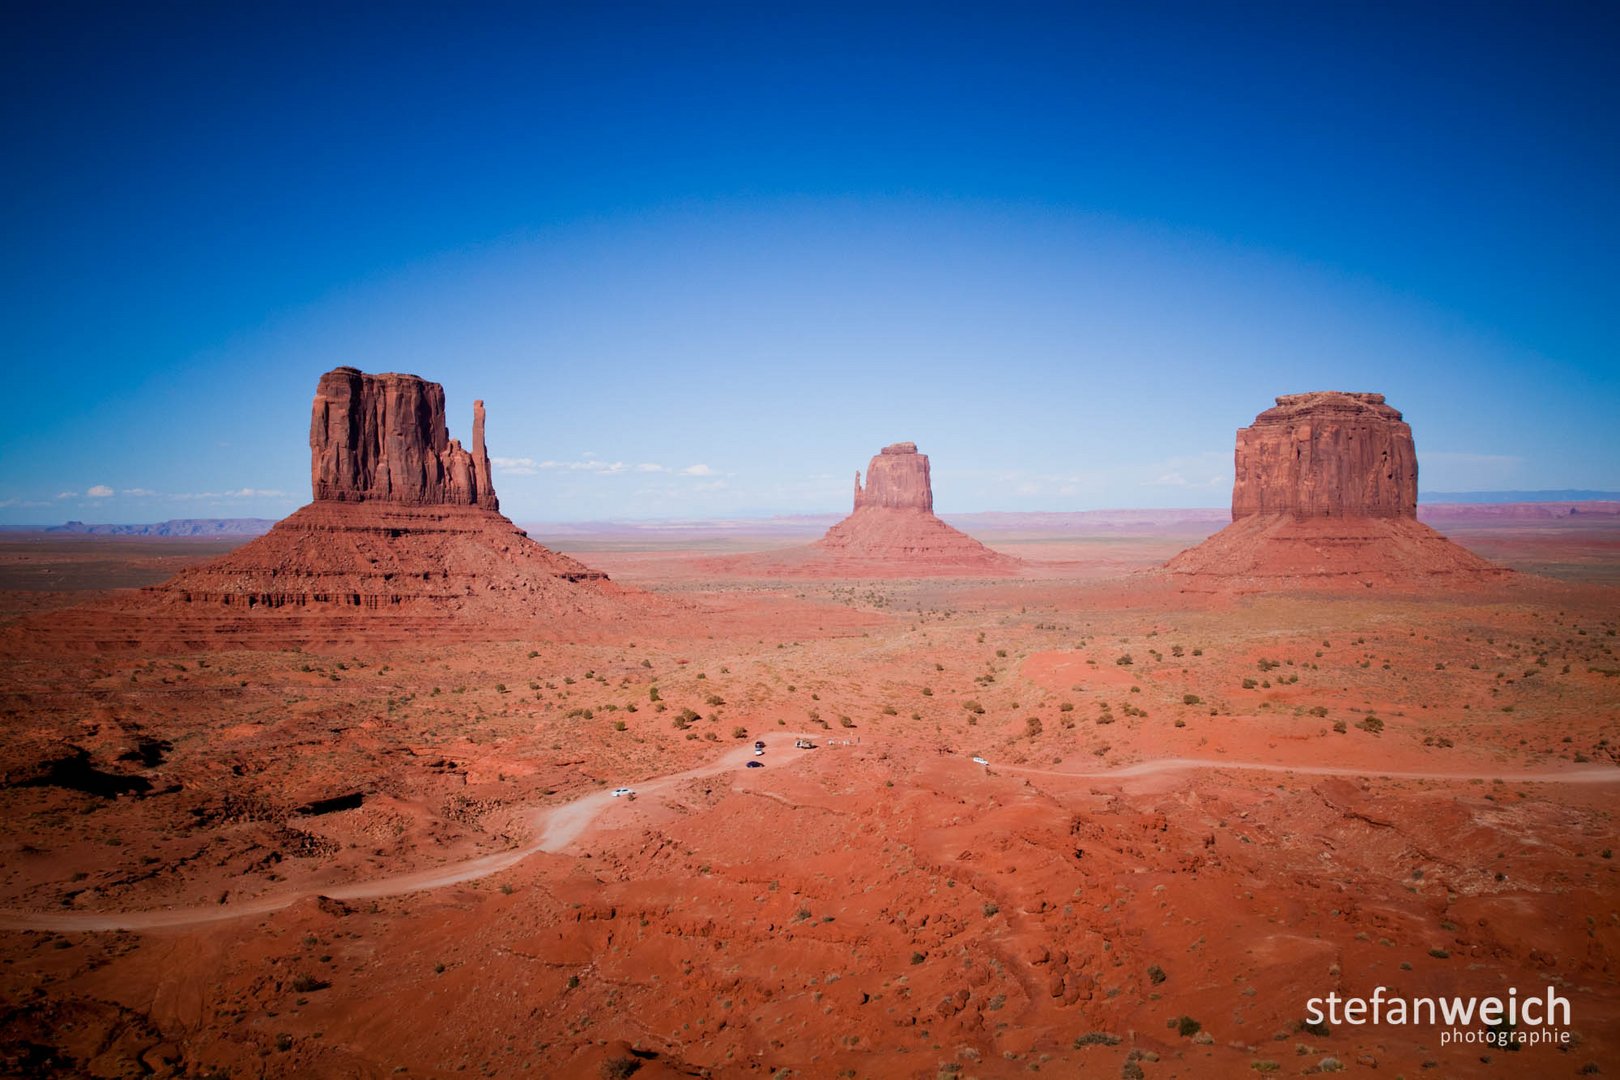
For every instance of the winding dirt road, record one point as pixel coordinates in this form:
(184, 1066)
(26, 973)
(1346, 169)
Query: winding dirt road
(556, 827)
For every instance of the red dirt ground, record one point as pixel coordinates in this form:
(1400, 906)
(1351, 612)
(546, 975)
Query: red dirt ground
(1198, 805)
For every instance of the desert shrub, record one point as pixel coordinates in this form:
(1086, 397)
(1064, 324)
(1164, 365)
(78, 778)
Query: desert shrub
(619, 1068)
(844, 721)
(1191, 699)
(1186, 1026)
(1032, 726)
(739, 732)
(1156, 974)
(1096, 1038)
(1370, 724)
(1125, 660)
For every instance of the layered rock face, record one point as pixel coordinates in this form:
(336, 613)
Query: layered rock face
(893, 529)
(403, 523)
(897, 478)
(1326, 454)
(383, 437)
(1326, 494)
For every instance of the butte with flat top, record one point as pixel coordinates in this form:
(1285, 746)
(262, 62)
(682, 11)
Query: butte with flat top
(1325, 494)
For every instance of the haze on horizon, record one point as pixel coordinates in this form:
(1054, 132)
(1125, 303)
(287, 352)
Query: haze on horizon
(705, 261)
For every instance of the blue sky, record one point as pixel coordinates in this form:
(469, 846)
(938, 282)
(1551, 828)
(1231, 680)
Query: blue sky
(705, 259)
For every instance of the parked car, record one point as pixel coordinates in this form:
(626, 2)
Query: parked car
(618, 792)
(756, 764)
(980, 761)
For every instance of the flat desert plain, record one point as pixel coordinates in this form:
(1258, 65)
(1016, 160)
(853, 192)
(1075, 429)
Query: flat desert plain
(1193, 812)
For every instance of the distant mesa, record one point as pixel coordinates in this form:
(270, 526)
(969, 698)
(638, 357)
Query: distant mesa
(1325, 492)
(404, 521)
(893, 522)
(890, 533)
(200, 527)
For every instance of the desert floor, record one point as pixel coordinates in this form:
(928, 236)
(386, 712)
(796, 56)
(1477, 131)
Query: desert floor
(1199, 812)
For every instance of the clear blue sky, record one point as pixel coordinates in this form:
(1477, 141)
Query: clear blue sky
(705, 259)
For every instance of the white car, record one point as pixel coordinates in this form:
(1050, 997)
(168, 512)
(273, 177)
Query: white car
(621, 791)
(980, 761)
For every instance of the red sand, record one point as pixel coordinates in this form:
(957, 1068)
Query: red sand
(1280, 795)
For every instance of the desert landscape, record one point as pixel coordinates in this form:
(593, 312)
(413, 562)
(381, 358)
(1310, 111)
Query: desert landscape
(348, 798)
(1212, 671)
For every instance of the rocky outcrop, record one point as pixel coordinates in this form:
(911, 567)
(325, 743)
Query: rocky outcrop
(1326, 454)
(383, 438)
(402, 540)
(897, 478)
(1325, 495)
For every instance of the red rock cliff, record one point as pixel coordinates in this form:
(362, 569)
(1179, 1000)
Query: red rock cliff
(1326, 454)
(897, 478)
(383, 438)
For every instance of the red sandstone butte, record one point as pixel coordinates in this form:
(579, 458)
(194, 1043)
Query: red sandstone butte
(893, 522)
(1326, 454)
(1325, 493)
(403, 535)
(384, 437)
(896, 479)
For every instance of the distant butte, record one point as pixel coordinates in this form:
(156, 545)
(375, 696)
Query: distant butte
(1325, 492)
(403, 533)
(893, 523)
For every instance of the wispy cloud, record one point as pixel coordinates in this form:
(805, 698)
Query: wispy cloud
(1177, 479)
(102, 491)
(239, 493)
(592, 464)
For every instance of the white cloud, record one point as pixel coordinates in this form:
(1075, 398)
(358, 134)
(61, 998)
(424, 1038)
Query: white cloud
(515, 466)
(138, 491)
(67, 494)
(239, 493)
(592, 464)
(99, 491)
(1177, 479)
(589, 464)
